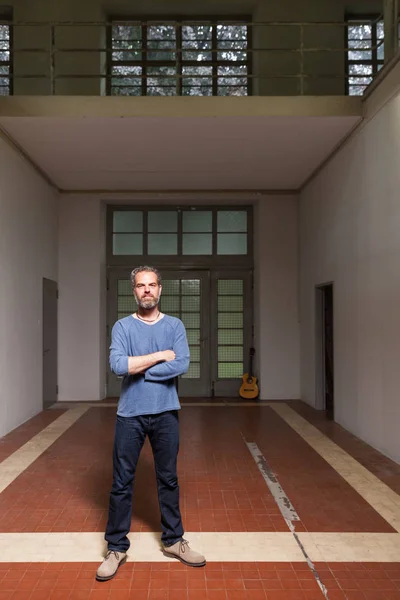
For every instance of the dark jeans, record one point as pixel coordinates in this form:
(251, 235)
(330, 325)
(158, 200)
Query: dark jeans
(130, 434)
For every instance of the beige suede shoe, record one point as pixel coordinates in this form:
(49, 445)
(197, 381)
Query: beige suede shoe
(109, 567)
(183, 552)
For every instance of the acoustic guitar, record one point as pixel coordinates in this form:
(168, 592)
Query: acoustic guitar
(249, 388)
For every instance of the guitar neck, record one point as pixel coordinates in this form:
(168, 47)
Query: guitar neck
(251, 365)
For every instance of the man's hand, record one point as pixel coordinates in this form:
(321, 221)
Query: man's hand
(168, 355)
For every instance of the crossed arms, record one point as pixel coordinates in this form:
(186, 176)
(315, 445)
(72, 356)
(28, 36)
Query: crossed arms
(158, 366)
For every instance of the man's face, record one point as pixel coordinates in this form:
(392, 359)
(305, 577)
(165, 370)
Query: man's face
(147, 292)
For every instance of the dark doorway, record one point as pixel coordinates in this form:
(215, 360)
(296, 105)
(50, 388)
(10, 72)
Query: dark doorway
(50, 296)
(325, 361)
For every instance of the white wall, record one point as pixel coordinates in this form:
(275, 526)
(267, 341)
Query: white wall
(276, 297)
(82, 288)
(350, 234)
(28, 252)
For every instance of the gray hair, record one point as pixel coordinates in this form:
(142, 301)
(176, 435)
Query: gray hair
(146, 269)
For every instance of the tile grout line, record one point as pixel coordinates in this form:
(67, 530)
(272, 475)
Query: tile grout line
(381, 497)
(15, 464)
(284, 504)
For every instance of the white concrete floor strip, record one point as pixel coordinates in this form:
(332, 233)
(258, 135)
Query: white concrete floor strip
(218, 547)
(21, 459)
(352, 547)
(90, 547)
(380, 496)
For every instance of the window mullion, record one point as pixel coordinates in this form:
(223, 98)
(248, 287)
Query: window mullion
(374, 39)
(144, 59)
(214, 59)
(178, 55)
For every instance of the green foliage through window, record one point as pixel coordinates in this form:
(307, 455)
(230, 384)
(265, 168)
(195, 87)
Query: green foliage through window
(179, 58)
(5, 60)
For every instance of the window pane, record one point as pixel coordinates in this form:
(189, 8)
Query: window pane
(363, 50)
(162, 221)
(232, 221)
(197, 81)
(191, 320)
(126, 91)
(356, 90)
(232, 80)
(232, 243)
(126, 80)
(126, 303)
(127, 243)
(162, 243)
(360, 32)
(230, 354)
(197, 243)
(381, 51)
(170, 286)
(231, 39)
(230, 303)
(197, 220)
(230, 336)
(126, 42)
(169, 304)
(190, 287)
(161, 81)
(124, 287)
(233, 287)
(193, 336)
(195, 353)
(360, 74)
(161, 42)
(228, 320)
(127, 221)
(191, 303)
(230, 370)
(197, 42)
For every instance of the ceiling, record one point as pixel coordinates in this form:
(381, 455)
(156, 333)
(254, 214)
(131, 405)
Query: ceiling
(161, 153)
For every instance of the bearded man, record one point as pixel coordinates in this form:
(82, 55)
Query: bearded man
(149, 349)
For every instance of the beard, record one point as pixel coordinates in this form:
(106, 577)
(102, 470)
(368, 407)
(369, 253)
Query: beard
(148, 303)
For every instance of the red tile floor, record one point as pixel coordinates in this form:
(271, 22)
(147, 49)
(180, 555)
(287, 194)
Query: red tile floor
(222, 490)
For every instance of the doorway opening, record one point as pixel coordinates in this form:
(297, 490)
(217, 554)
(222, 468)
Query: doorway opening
(50, 298)
(215, 307)
(325, 399)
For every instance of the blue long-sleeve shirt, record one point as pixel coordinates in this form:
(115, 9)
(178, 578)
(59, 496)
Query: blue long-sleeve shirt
(153, 391)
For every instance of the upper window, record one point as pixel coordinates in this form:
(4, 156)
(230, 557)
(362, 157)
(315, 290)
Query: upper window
(179, 58)
(5, 59)
(366, 53)
(199, 232)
